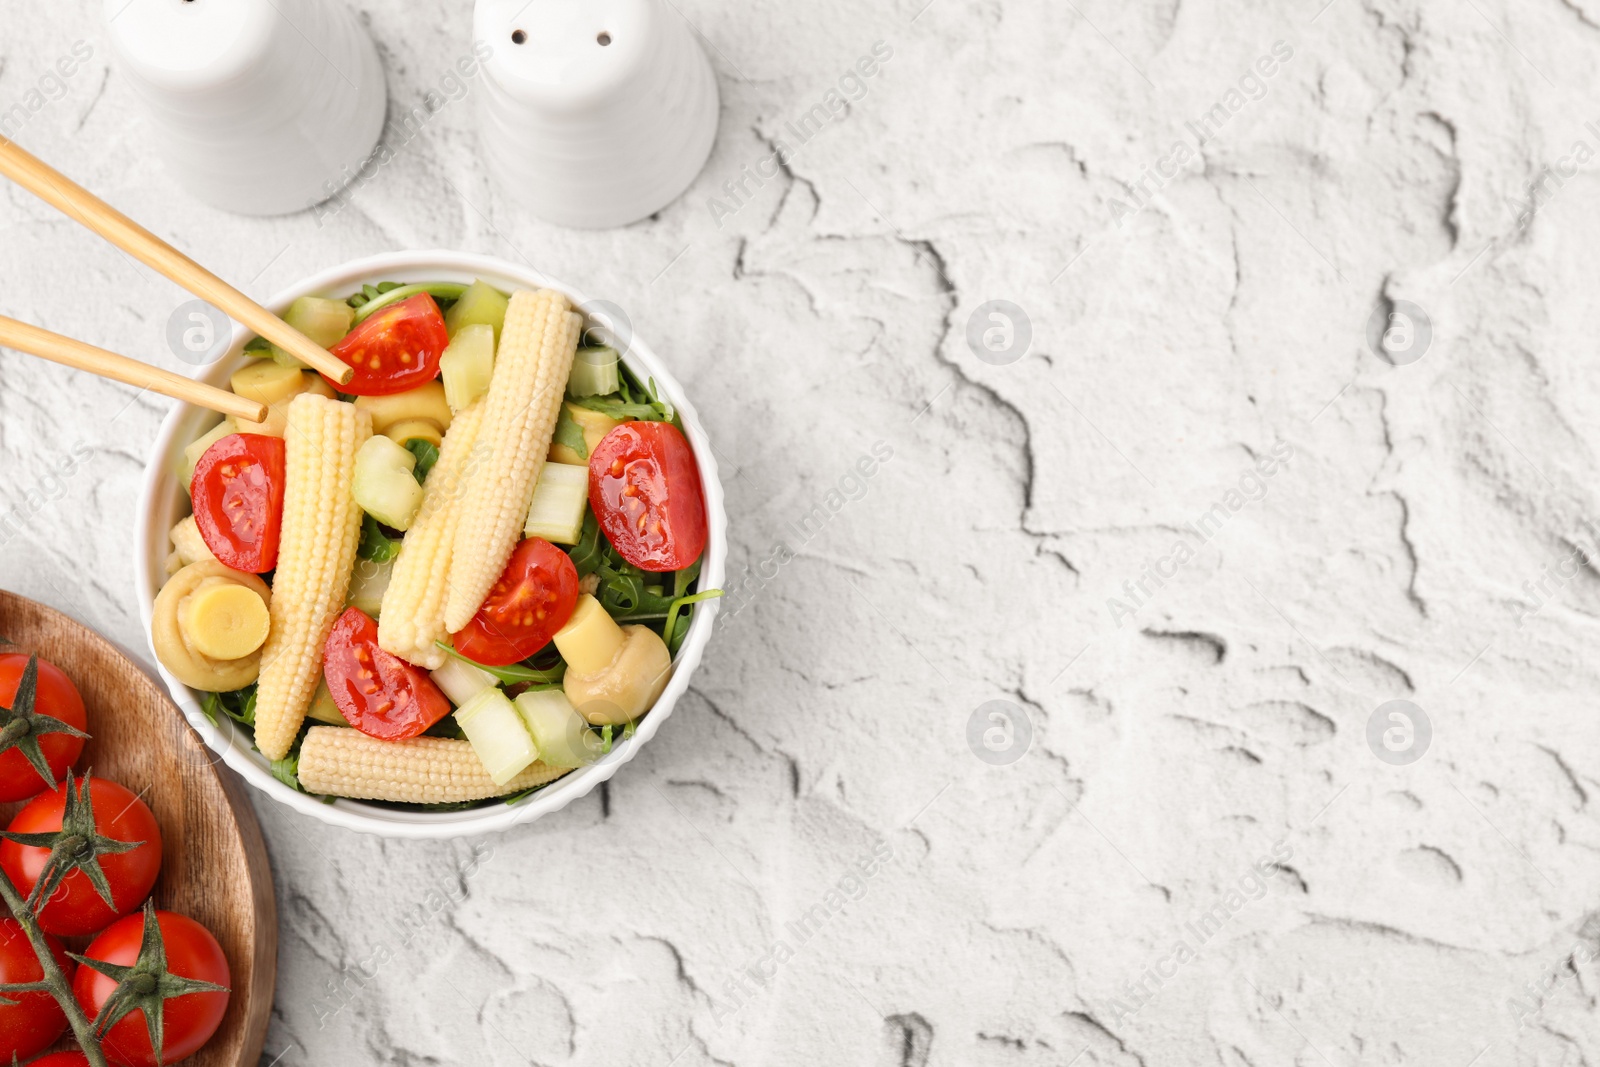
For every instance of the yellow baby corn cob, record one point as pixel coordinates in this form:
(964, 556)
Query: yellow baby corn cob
(413, 606)
(316, 551)
(537, 344)
(338, 761)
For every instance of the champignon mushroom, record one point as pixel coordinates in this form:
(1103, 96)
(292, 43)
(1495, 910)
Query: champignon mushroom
(209, 624)
(614, 673)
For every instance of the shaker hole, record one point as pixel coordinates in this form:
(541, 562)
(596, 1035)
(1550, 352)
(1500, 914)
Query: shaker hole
(604, 38)
(518, 37)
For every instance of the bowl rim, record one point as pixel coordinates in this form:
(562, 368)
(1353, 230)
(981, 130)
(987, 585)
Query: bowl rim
(159, 489)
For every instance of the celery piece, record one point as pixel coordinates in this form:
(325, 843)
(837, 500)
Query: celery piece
(383, 484)
(561, 734)
(594, 372)
(498, 734)
(479, 303)
(467, 364)
(559, 500)
(323, 321)
(461, 681)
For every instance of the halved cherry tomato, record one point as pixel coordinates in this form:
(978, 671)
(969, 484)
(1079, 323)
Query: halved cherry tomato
(34, 1020)
(55, 696)
(397, 349)
(238, 500)
(188, 1020)
(645, 490)
(531, 600)
(75, 908)
(377, 692)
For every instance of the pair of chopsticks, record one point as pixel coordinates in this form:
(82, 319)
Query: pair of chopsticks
(84, 207)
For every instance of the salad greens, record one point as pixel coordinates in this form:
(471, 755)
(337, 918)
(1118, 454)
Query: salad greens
(662, 601)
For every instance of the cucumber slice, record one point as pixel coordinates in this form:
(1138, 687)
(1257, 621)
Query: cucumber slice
(368, 584)
(323, 321)
(594, 372)
(480, 302)
(498, 734)
(559, 500)
(467, 364)
(383, 484)
(561, 734)
(461, 681)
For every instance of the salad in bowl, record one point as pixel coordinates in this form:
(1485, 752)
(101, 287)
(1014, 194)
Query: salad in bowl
(454, 592)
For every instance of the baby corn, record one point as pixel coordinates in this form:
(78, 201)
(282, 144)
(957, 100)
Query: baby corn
(537, 344)
(338, 761)
(317, 550)
(413, 606)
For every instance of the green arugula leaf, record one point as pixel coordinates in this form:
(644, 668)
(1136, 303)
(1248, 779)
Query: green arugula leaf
(514, 673)
(238, 705)
(569, 433)
(287, 771)
(375, 544)
(427, 454)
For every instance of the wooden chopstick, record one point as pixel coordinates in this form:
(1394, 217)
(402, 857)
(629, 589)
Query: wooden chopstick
(65, 350)
(84, 207)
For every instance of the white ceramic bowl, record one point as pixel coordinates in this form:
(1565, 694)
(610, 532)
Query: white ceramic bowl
(163, 501)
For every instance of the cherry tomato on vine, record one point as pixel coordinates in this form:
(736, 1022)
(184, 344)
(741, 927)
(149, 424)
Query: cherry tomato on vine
(35, 1020)
(645, 490)
(237, 491)
(75, 908)
(397, 349)
(188, 1020)
(531, 600)
(55, 696)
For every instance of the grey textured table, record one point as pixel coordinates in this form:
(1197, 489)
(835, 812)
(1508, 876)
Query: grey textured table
(1179, 507)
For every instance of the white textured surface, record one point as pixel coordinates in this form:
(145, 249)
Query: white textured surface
(1386, 560)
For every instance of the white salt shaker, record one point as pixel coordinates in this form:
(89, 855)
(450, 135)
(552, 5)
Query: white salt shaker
(262, 107)
(594, 113)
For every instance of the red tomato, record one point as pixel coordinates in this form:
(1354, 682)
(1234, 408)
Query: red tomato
(75, 908)
(644, 488)
(377, 692)
(238, 500)
(531, 600)
(397, 349)
(188, 1020)
(62, 1059)
(56, 697)
(35, 1021)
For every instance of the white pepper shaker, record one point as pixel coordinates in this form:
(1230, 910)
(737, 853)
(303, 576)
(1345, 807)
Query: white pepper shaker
(594, 113)
(256, 106)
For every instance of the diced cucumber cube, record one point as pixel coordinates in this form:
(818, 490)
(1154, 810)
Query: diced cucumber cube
(467, 364)
(323, 321)
(383, 484)
(480, 303)
(561, 734)
(368, 584)
(594, 372)
(498, 734)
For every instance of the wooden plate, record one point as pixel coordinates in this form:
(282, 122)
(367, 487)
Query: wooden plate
(214, 862)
